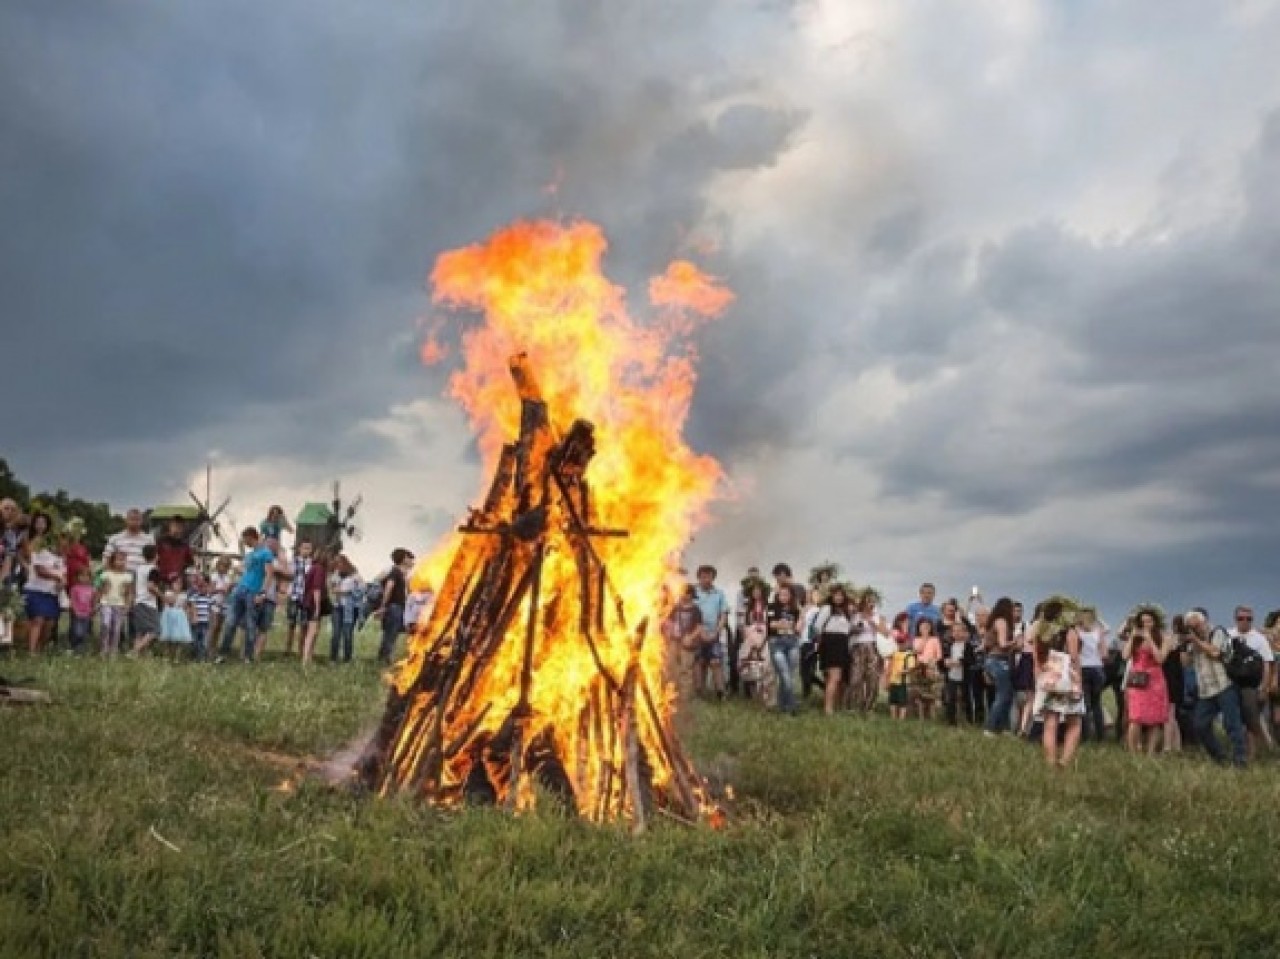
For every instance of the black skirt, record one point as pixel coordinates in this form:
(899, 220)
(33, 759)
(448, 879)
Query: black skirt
(833, 651)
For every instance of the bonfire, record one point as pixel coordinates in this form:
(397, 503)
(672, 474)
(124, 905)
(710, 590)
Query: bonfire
(539, 672)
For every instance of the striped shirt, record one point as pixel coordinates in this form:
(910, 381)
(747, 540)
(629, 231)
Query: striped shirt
(130, 545)
(201, 606)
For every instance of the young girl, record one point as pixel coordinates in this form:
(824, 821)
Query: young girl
(925, 677)
(784, 626)
(864, 656)
(902, 663)
(175, 623)
(115, 596)
(82, 597)
(348, 590)
(219, 587)
(753, 668)
(834, 627)
(45, 580)
(1059, 694)
(315, 602)
(957, 646)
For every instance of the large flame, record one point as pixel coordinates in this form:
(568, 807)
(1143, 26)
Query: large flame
(542, 291)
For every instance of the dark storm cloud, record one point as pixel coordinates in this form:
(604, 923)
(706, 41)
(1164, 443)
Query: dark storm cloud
(219, 216)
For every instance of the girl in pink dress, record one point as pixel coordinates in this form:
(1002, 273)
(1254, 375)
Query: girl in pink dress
(1146, 696)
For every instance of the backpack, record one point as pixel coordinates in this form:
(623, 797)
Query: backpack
(1243, 663)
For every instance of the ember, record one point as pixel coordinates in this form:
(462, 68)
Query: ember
(540, 669)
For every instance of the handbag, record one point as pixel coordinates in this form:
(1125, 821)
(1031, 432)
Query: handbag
(1138, 680)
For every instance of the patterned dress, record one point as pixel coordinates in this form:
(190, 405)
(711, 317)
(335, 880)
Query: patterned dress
(1148, 706)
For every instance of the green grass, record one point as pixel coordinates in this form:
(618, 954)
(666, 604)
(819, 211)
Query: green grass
(850, 837)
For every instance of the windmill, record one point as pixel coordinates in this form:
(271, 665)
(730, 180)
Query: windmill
(327, 525)
(205, 526)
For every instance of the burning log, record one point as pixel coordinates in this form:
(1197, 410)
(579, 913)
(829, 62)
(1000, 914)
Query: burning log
(520, 678)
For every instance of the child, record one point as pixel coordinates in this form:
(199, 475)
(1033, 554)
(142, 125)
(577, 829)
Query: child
(219, 587)
(82, 598)
(148, 588)
(175, 627)
(901, 666)
(200, 603)
(954, 663)
(115, 596)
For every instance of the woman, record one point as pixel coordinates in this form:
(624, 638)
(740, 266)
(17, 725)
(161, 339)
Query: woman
(46, 578)
(1093, 674)
(1059, 700)
(864, 657)
(784, 626)
(924, 679)
(998, 650)
(753, 668)
(809, 665)
(1175, 680)
(348, 590)
(1146, 693)
(1024, 674)
(835, 625)
(315, 602)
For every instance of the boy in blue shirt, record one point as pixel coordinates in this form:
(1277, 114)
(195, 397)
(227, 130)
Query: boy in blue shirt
(246, 597)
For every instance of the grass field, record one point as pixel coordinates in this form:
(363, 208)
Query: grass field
(141, 816)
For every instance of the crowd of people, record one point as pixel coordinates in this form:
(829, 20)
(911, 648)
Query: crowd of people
(145, 591)
(1043, 677)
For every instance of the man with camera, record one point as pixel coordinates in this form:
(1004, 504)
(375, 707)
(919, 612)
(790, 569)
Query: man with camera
(1254, 698)
(1218, 696)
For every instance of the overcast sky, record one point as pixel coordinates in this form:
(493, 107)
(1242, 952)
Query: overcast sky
(1008, 305)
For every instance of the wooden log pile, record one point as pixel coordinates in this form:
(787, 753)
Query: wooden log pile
(493, 704)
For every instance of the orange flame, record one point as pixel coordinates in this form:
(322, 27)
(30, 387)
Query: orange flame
(542, 291)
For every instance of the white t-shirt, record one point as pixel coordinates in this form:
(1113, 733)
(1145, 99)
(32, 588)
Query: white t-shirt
(141, 595)
(1090, 648)
(1257, 642)
(956, 653)
(130, 545)
(46, 560)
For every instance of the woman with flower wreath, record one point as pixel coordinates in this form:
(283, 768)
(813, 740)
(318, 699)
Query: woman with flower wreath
(754, 667)
(1146, 694)
(1059, 694)
(864, 656)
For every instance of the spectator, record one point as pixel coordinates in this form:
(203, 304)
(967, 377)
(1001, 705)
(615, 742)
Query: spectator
(864, 657)
(713, 608)
(1093, 677)
(1175, 682)
(316, 604)
(245, 599)
(148, 590)
(1055, 645)
(754, 666)
(954, 692)
(295, 612)
(1253, 698)
(275, 525)
(74, 553)
(925, 677)
(341, 647)
(395, 591)
(278, 573)
(923, 608)
(902, 663)
(175, 622)
(1147, 697)
(1216, 694)
(81, 597)
(683, 633)
(998, 650)
(1023, 674)
(736, 636)
(979, 692)
(220, 583)
(835, 626)
(46, 579)
(130, 541)
(174, 555)
(13, 538)
(783, 626)
(200, 603)
(115, 597)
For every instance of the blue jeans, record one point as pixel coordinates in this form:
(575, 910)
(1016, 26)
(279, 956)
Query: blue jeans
(81, 630)
(241, 611)
(392, 625)
(1094, 681)
(1226, 703)
(782, 653)
(199, 636)
(1002, 675)
(344, 636)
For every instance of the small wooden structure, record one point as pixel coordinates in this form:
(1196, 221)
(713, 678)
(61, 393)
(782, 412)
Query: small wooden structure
(315, 525)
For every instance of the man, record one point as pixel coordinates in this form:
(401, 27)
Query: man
(296, 614)
(735, 636)
(13, 534)
(246, 598)
(1216, 694)
(395, 593)
(714, 610)
(278, 573)
(1253, 698)
(174, 555)
(682, 632)
(129, 541)
(924, 608)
